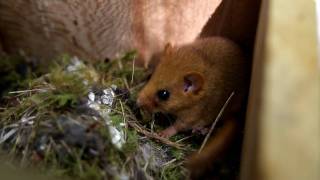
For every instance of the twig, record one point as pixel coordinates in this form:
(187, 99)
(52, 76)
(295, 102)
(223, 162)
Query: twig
(166, 141)
(146, 166)
(132, 75)
(64, 144)
(169, 162)
(120, 65)
(133, 123)
(152, 124)
(124, 118)
(215, 122)
(29, 90)
(123, 113)
(183, 139)
(125, 82)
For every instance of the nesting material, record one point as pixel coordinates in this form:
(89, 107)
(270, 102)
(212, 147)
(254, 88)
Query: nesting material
(80, 120)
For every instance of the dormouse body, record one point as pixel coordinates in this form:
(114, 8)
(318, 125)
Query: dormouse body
(194, 81)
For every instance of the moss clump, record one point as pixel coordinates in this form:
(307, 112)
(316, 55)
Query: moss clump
(48, 123)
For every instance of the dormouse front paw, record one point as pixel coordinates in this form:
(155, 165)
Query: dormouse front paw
(200, 130)
(168, 132)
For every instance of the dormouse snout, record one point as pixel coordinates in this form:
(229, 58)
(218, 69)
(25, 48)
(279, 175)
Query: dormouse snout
(146, 103)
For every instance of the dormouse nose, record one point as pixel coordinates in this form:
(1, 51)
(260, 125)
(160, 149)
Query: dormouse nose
(145, 103)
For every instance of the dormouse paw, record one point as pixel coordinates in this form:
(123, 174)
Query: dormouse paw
(168, 132)
(200, 130)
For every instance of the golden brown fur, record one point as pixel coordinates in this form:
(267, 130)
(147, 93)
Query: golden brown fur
(219, 69)
(211, 68)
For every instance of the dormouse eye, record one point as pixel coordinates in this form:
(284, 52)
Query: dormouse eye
(163, 94)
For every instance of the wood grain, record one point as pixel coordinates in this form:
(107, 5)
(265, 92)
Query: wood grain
(282, 140)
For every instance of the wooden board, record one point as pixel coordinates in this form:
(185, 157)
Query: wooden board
(282, 140)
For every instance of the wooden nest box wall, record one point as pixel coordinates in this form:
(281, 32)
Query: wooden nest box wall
(282, 137)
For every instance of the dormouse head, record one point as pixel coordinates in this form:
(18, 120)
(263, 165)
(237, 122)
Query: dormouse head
(175, 84)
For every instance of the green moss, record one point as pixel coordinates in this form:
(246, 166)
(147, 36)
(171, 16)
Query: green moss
(57, 92)
(172, 172)
(132, 143)
(116, 119)
(178, 154)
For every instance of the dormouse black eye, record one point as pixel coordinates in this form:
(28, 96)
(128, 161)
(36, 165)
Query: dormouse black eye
(163, 94)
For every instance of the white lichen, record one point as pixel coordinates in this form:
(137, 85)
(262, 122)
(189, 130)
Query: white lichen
(103, 104)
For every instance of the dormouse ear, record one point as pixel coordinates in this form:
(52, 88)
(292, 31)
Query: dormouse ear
(193, 82)
(168, 48)
(157, 57)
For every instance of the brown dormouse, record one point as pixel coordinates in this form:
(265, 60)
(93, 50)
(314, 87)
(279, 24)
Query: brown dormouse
(193, 82)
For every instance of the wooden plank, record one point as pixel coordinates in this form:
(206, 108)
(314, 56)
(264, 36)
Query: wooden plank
(283, 124)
